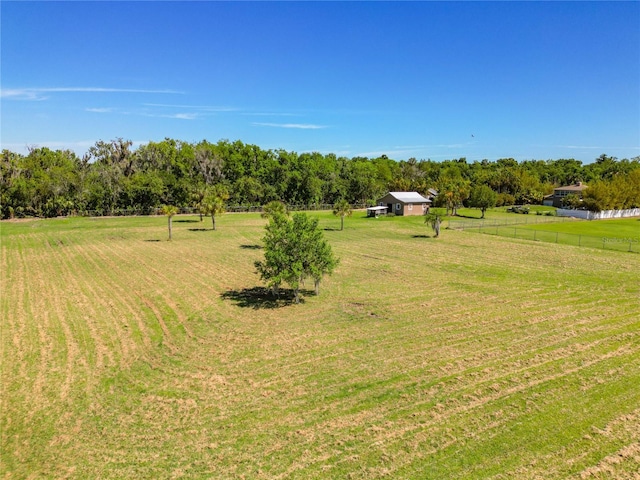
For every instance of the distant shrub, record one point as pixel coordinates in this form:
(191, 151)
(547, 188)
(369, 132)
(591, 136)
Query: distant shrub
(505, 199)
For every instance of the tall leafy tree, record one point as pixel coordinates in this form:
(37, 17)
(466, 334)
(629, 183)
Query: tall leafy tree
(452, 191)
(209, 163)
(482, 197)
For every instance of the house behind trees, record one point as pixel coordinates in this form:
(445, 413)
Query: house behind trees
(560, 193)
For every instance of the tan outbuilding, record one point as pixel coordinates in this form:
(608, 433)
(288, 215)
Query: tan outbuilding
(405, 203)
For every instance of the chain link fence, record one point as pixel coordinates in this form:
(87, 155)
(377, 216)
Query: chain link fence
(620, 244)
(519, 219)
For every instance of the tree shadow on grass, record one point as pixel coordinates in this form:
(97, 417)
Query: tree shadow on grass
(199, 229)
(261, 297)
(423, 236)
(329, 229)
(251, 247)
(187, 221)
(153, 240)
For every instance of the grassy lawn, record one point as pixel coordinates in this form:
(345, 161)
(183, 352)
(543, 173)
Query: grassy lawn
(615, 234)
(467, 356)
(620, 228)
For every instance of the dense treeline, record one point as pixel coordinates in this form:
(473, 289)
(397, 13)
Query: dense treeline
(113, 177)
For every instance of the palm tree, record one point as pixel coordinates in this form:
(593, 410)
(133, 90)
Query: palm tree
(213, 205)
(273, 208)
(343, 209)
(433, 220)
(197, 197)
(169, 211)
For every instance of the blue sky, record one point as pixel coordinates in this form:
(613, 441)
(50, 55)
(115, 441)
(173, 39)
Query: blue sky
(438, 80)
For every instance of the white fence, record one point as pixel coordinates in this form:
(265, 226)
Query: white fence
(587, 215)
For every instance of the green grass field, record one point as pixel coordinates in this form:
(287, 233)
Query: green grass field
(467, 356)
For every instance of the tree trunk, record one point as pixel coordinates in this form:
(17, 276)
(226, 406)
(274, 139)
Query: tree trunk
(341, 222)
(213, 221)
(296, 294)
(169, 219)
(317, 285)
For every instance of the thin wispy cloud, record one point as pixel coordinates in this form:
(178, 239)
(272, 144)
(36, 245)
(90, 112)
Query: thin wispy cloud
(579, 147)
(271, 114)
(177, 116)
(100, 110)
(204, 108)
(35, 94)
(181, 116)
(303, 126)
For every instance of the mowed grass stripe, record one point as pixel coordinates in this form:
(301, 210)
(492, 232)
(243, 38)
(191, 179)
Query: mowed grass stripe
(121, 338)
(111, 285)
(157, 277)
(15, 307)
(82, 301)
(52, 368)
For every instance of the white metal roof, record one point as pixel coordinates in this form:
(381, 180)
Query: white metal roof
(409, 197)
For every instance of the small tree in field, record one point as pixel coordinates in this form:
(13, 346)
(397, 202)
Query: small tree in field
(342, 209)
(482, 197)
(433, 220)
(198, 194)
(169, 211)
(294, 250)
(213, 203)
